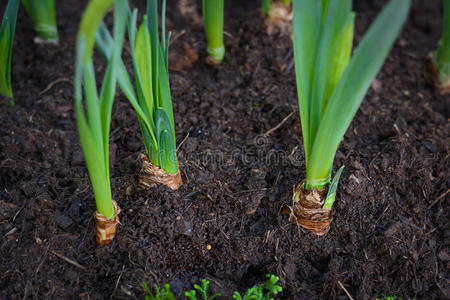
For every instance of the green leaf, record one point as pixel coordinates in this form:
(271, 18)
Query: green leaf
(353, 85)
(331, 195)
(144, 67)
(335, 23)
(7, 30)
(167, 149)
(307, 26)
(213, 11)
(192, 294)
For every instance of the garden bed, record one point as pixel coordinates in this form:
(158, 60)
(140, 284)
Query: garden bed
(240, 154)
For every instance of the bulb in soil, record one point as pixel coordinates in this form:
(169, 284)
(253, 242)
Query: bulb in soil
(106, 229)
(151, 176)
(307, 210)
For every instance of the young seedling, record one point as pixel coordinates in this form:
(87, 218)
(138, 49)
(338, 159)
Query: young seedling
(440, 59)
(159, 294)
(213, 19)
(153, 103)
(94, 129)
(203, 290)
(262, 291)
(43, 16)
(6, 44)
(331, 85)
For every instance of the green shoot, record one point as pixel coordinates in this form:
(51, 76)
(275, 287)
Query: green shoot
(391, 297)
(330, 83)
(265, 7)
(153, 103)
(43, 16)
(203, 290)
(6, 44)
(286, 2)
(442, 57)
(213, 19)
(160, 294)
(262, 291)
(94, 130)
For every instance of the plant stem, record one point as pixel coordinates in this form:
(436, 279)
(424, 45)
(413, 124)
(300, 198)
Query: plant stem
(213, 18)
(443, 51)
(43, 16)
(265, 7)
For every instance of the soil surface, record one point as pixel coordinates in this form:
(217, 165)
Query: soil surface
(240, 154)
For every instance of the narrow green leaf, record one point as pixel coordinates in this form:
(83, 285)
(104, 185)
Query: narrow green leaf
(331, 195)
(167, 149)
(7, 31)
(143, 67)
(307, 25)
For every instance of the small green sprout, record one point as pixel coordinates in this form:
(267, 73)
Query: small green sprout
(160, 294)
(263, 291)
(203, 290)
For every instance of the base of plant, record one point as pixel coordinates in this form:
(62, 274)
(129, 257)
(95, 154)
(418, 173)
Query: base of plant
(215, 56)
(440, 82)
(152, 176)
(106, 229)
(279, 18)
(41, 40)
(307, 210)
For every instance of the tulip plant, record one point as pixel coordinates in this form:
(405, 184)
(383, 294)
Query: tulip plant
(43, 16)
(6, 44)
(213, 19)
(153, 103)
(331, 84)
(441, 58)
(94, 129)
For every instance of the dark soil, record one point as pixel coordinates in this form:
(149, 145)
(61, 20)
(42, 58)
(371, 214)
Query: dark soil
(390, 233)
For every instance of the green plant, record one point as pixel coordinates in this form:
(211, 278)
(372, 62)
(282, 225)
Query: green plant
(43, 16)
(213, 19)
(263, 291)
(6, 43)
(94, 130)
(331, 85)
(153, 103)
(441, 58)
(160, 294)
(265, 7)
(202, 289)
